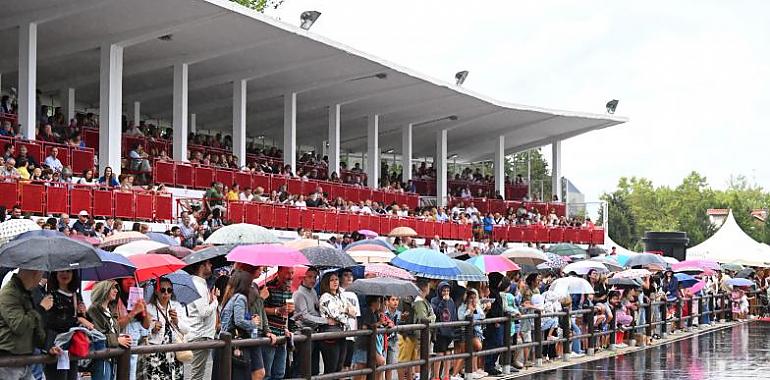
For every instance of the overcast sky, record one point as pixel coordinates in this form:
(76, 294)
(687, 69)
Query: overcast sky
(693, 76)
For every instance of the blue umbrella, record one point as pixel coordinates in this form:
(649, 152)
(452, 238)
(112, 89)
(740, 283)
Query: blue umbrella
(685, 280)
(114, 265)
(380, 242)
(740, 282)
(184, 288)
(427, 263)
(162, 238)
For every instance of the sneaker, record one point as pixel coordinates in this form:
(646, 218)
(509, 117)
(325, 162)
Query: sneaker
(477, 375)
(481, 372)
(456, 377)
(577, 355)
(518, 365)
(494, 372)
(621, 345)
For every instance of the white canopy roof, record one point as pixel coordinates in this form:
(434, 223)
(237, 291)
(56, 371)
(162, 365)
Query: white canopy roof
(609, 243)
(731, 245)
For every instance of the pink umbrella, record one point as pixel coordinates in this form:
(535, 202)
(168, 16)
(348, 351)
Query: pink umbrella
(368, 233)
(698, 263)
(388, 271)
(267, 255)
(493, 263)
(697, 287)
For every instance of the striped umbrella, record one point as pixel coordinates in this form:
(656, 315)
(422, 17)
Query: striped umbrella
(120, 238)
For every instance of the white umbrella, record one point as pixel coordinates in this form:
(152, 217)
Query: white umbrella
(670, 260)
(571, 285)
(525, 256)
(632, 273)
(15, 227)
(138, 247)
(367, 257)
(585, 266)
(610, 263)
(242, 233)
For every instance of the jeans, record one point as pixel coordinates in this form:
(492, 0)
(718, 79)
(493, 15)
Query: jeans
(706, 318)
(102, 370)
(333, 353)
(493, 338)
(576, 342)
(315, 366)
(274, 358)
(16, 373)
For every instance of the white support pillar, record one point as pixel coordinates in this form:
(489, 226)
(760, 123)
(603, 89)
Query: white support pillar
(68, 100)
(110, 106)
(28, 79)
(1, 82)
(373, 150)
(556, 169)
(239, 121)
(334, 139)
(406, 153)
(440, 162)
(179, 123)
(290, 130)
(137, 112)
(499, 165)
(193, 127)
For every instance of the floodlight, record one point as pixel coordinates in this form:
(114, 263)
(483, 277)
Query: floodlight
(389, 151)
(307, 19)
(460, 76)
(612, 105)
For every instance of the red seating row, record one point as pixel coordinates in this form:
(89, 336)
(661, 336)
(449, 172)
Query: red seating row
(52, 199)
(289, 217)
(79, 159)
(535, 234)
(485, 205)
(428, 187)
(186, 175)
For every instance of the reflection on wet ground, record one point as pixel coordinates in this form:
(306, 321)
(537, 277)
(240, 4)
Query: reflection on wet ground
(741, 352)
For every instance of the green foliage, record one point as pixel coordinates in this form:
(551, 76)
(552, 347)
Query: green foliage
(540, 173)
(259, 5)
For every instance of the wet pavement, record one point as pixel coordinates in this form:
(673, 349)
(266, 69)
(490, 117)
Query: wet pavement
(740, 352)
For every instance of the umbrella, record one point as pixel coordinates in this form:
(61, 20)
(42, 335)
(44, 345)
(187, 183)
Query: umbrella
(740, 282)
(380, 242)
(490, 264)
(388, 271)
(384, 287)
(120, 238)
(184, 287)
(624, 282)
(685, 280)
(632, 273)
(698, 286)
(698, 263)
(622, 258)
(371, 256)
(152, 266)
(403, 232)
(596, 251)
(267, 255)
(469, 272)
(571, 285)
(242, 233)
(368, 247)
(327, 257)
(525, 255)
(113, 266)
(670, 260)
(585, 266)
(368, 233)
(47, 251)
(554, 262)
(427, 263)
(566, 249)
(645, 259)
(86, 239)
(608, 262)
(690, 270)
(209, 253)
(494, 251)
(745, 273)
(138, 247)
(307, 243)
(162, 238)
(15, 227)
(732, 267)
(174, 250)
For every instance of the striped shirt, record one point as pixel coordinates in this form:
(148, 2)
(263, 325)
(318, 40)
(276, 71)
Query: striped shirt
(278, 297)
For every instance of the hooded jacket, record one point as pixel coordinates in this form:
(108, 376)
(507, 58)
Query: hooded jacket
(445, 310)
(21, 326)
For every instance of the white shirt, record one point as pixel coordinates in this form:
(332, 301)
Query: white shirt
(54, 163)
(157, 338)
(366, 210)
(201, 315)
(471, 210)
(247, 198)
(352, 321)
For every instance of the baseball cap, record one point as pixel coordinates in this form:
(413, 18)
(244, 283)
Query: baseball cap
(83, 213)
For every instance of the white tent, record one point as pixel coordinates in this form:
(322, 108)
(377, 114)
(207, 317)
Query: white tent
(608, 244)
(731, 245)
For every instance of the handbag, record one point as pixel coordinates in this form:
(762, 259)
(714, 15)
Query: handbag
(241, 358)
(185, 356)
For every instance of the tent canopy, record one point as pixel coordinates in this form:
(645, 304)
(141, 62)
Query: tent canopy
(731, 245)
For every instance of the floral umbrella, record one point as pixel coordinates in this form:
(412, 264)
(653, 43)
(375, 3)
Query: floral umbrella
(389, 271)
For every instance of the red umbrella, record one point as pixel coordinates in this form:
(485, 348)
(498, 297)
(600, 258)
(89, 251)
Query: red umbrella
(154, 266)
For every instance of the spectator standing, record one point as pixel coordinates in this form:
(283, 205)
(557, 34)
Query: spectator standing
(278, 311)
(201, 317)
(336, 310)
(307, 314)
(446, 311)
(105, 320)
(352, 323)
(167, 324)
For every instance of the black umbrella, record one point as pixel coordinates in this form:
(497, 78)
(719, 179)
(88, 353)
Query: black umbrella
(327, 257)
(624, 282)
(495, 251)
(596, 251)
(382, 286)
(745, 273)
(48, 251)
(211, 253)
(645, 259)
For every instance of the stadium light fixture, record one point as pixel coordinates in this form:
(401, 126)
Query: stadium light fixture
(308, 18)
(453, 156)
(460, 77)
(612, 105)
(389, 151)
(450, 117)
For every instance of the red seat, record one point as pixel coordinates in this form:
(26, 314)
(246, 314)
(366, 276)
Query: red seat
(266, 215)
(584, 236)
(263, 181)
(91, 137)
(570, 235)
(243, 179)
(164, 172)
(455, 231)
(204, 176)
(164, 207)
(9, 195)
(236, 211)
(556, 235)
(34, 150)
(80, 199)
(82, 159)
(124, 204)
(343, 222)
(56, 200)
(144, 206)
(331, 222)
(102, 200)
(541, 234)
(225, 176)
(185, 175)
(529, 235)
(294, 218)
(354, 222)
(294, 186)
(597, 236)
(281, 217)
(32, 196)
(516, 234)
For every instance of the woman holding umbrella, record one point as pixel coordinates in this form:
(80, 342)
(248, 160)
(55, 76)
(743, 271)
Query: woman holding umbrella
(166, 315)
(105, 320)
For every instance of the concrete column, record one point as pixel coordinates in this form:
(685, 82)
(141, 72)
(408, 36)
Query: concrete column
(1, 82)
(373, 150)
(406, 152)
(440, 162)
(137, 112)
(179, 123)
(110, 106)
(239, 121)
(28, 79)
(290, 130)
(334, 139)
(556, 168)
(68, 101)
(193, 127)
(499, 165)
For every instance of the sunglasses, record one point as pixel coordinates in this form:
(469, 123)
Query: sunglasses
(166, 290)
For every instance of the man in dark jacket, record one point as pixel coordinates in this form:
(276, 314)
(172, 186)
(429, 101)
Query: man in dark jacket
(493, 334)
(21, 326)
(446, 311)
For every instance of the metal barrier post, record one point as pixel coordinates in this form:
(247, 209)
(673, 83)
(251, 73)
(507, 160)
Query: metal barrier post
(226, 357)
(469, 335)
(701, 314)
(425, 350)
(507, 342)
(690, 317)
(649, 308)
(306, 352)
(590, 327)
(566, 328)
(371, 359)
(664, 317)
(679, 312)
(538, 331)
(712, 306)
(614, 329)
(124, 365)
(729, 308)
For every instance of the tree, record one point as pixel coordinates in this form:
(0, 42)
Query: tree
(259, 5)
(622, 224)
(540, 174)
